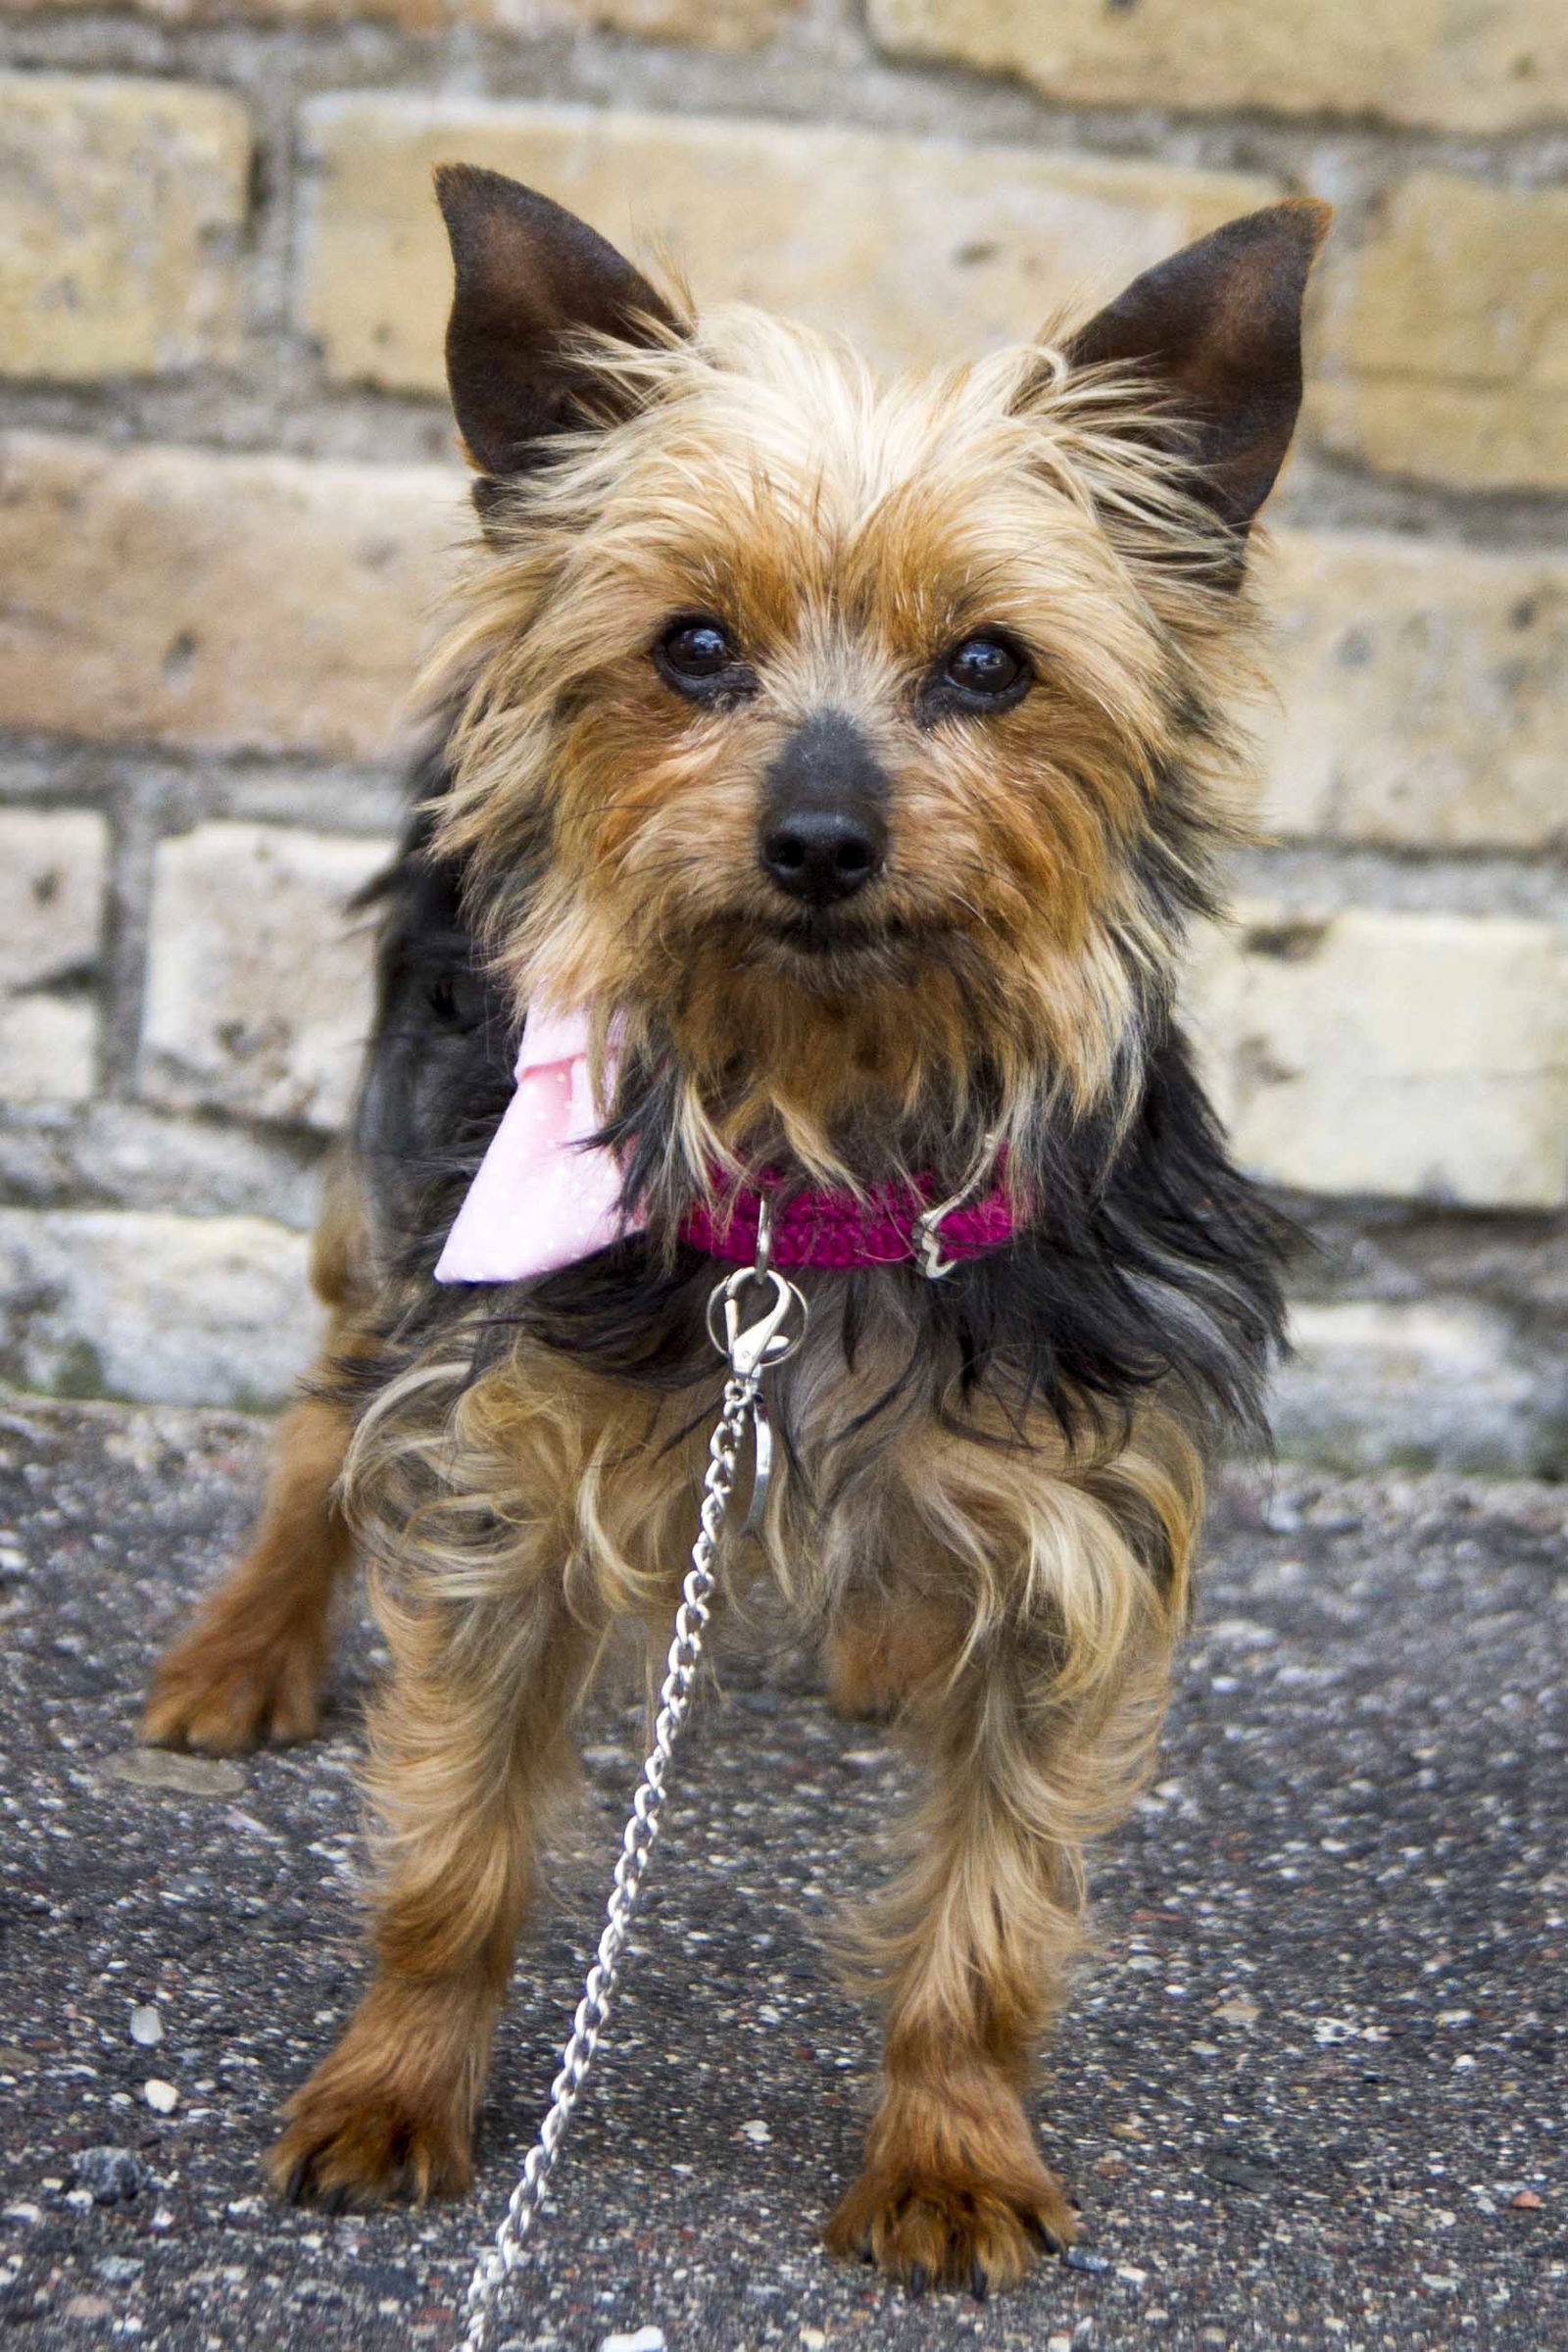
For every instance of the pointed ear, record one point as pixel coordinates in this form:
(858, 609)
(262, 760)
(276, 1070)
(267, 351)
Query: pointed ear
(1218, 328)
(531, 280)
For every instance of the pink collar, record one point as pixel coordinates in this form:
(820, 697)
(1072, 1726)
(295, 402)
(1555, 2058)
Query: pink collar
(891, 1225)
(546, 1195)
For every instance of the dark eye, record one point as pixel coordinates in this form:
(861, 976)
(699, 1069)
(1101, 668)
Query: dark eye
(984, 669)
(695, 653)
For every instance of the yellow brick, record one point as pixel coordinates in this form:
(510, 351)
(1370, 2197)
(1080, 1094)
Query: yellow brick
(1495, 66)
(1446, 433)
(234, 602)
(715, 24)
(917, 248)
(162, 1308)
(258, 978)
(48, 1049)
(415, 16)
(54, 882)
(54, 879)
(1420, 1057)
(122, 205)
(1424, 693)
(1445, 337)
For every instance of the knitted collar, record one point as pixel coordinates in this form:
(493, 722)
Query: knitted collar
(888, 1226)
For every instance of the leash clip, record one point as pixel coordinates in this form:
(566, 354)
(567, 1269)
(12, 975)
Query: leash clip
(753, 1346)
(755, 1341)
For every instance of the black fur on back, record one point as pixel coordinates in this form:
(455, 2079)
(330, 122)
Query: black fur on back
(1151, 1258)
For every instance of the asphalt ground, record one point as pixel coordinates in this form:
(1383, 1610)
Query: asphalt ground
(1309, 2093)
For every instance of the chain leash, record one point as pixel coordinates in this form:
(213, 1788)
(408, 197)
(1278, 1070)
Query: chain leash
(753, 1343)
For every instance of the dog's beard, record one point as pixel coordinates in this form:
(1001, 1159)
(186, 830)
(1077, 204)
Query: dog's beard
(840, 950)
(833, 949)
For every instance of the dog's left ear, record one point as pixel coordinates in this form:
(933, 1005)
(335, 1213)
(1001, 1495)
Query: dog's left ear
(1218, 329)
(532, 282)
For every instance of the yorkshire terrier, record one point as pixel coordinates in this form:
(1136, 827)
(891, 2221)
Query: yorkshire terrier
(828, 772)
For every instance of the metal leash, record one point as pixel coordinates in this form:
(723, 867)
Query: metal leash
(753, 1340)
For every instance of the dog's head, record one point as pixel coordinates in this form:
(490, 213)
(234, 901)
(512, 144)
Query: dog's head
(864, 746)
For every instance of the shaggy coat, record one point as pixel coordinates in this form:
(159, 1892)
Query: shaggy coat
(993, 1481)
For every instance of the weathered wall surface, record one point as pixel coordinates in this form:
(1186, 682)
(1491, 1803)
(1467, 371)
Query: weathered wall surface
(227, 499)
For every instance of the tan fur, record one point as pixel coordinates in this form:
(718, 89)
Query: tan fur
(845, 531)
(1010, 1595)
(510, 1518)
(879, 1651)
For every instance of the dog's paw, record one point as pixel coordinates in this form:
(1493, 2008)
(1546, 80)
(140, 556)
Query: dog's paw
(225, 1702)
(346, 2150)
(957, 2230)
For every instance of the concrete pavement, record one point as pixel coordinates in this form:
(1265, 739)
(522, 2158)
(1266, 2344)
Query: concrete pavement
(1311, 2092)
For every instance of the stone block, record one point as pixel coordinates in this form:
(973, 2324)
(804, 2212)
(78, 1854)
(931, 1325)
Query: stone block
(411, 15)
(162, 1309)
(48, 1048)
(916, 248)
(54, 875)
(709, 23)
(122, 207)
(259, 982)
(1495, 67)
(110, 1153)
(231, 602)
(1444, 336)
(706, 24)
(1424, 693)
(1412, 1056)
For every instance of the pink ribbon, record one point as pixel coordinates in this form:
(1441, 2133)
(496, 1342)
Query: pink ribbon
(543, 1197)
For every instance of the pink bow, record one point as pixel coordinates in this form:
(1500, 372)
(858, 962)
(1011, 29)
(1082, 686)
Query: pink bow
(540, 1201)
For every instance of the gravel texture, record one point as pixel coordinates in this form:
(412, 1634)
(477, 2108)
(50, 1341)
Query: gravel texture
(1309, 2093)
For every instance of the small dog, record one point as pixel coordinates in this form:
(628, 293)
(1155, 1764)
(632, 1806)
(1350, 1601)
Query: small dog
(830, 772)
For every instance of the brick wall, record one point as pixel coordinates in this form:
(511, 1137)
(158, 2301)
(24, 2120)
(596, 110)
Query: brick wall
(227, 497)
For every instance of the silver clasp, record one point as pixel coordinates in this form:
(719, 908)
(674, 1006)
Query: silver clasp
(926, 1233)
(765, 1340)
(926, 1230)
(754, 1341)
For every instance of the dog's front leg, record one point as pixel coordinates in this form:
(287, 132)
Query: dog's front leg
(953, 2192)
(1036, 1732)
(467, 1742)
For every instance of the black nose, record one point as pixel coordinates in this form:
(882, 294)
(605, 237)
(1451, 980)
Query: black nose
(823, 855)
(823, 833)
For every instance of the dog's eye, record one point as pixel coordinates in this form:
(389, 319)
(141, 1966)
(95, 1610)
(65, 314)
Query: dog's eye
(697, 654)
(697, 649)
(984, 669)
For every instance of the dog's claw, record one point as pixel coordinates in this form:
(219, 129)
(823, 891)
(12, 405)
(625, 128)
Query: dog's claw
(294, 2189)
(335, 2201)
(960, 2233)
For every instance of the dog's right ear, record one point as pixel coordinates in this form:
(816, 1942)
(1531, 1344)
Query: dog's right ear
(532, 281)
